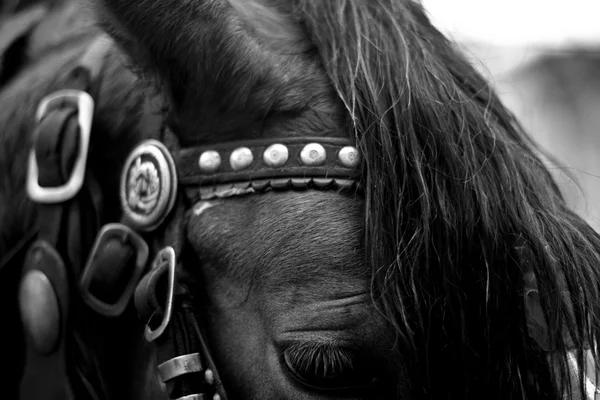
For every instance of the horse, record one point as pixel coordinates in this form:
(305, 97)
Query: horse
(345, 210)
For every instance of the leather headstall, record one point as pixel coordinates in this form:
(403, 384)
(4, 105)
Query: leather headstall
(75, 264)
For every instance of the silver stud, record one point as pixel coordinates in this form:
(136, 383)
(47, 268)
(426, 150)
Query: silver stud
(276, 155)
(349, 157)
(209, 161)
(313, 154)
(241, 158)
(209, 377)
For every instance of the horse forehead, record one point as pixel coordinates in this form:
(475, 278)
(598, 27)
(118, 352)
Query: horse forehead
(282, 240)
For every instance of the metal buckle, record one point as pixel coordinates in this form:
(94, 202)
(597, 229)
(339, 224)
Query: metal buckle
(117, 308)
(85, 107)
(165, 261)
(181, 365)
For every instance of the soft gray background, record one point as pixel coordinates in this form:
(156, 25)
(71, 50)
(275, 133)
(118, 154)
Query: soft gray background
(543, 56)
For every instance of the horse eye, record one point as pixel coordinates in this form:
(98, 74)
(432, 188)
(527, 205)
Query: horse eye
(326, 368)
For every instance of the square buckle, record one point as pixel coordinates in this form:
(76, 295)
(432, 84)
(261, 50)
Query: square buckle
(91, 268)
(85, 107)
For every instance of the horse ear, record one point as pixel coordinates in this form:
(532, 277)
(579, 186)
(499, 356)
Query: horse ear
(227, 65)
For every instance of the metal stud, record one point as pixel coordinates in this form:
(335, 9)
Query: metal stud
(349, 157)
(209, 377)
(276, 155)
(241, 158)
(40, 311)
(313, 154)
(209, 161)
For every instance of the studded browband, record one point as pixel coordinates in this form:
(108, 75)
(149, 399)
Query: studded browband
(235, 168)
(151, 176)
(267, 159)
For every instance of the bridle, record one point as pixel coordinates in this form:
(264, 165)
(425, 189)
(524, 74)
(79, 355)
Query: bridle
(72, 263)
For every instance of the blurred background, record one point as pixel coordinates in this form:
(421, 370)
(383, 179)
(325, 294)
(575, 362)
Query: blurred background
(543, 57)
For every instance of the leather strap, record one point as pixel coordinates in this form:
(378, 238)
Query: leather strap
(184, 338)
(261, 166)
(54, 263)
(45, 360)
(217, 384)
(60, 232)
(17, 253)
(180, 340)
(14, 32)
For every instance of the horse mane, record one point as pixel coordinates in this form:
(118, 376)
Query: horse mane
(459, 207)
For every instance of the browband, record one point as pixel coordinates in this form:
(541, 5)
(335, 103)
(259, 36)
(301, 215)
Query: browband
(260, 159)
(152, 174)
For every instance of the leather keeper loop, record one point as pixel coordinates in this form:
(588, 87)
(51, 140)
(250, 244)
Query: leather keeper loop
(115, 265)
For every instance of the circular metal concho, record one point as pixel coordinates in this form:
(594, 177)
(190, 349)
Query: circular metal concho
(148, 185)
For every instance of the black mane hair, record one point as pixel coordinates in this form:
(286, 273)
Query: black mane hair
(458, 208)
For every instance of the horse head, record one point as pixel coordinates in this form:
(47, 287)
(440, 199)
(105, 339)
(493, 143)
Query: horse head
(358, 214)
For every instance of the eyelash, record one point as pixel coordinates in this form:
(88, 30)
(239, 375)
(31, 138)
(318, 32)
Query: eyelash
(321, 359)
(324, 367)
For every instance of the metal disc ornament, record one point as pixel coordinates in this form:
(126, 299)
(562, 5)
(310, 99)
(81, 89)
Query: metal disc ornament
(148, 185)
